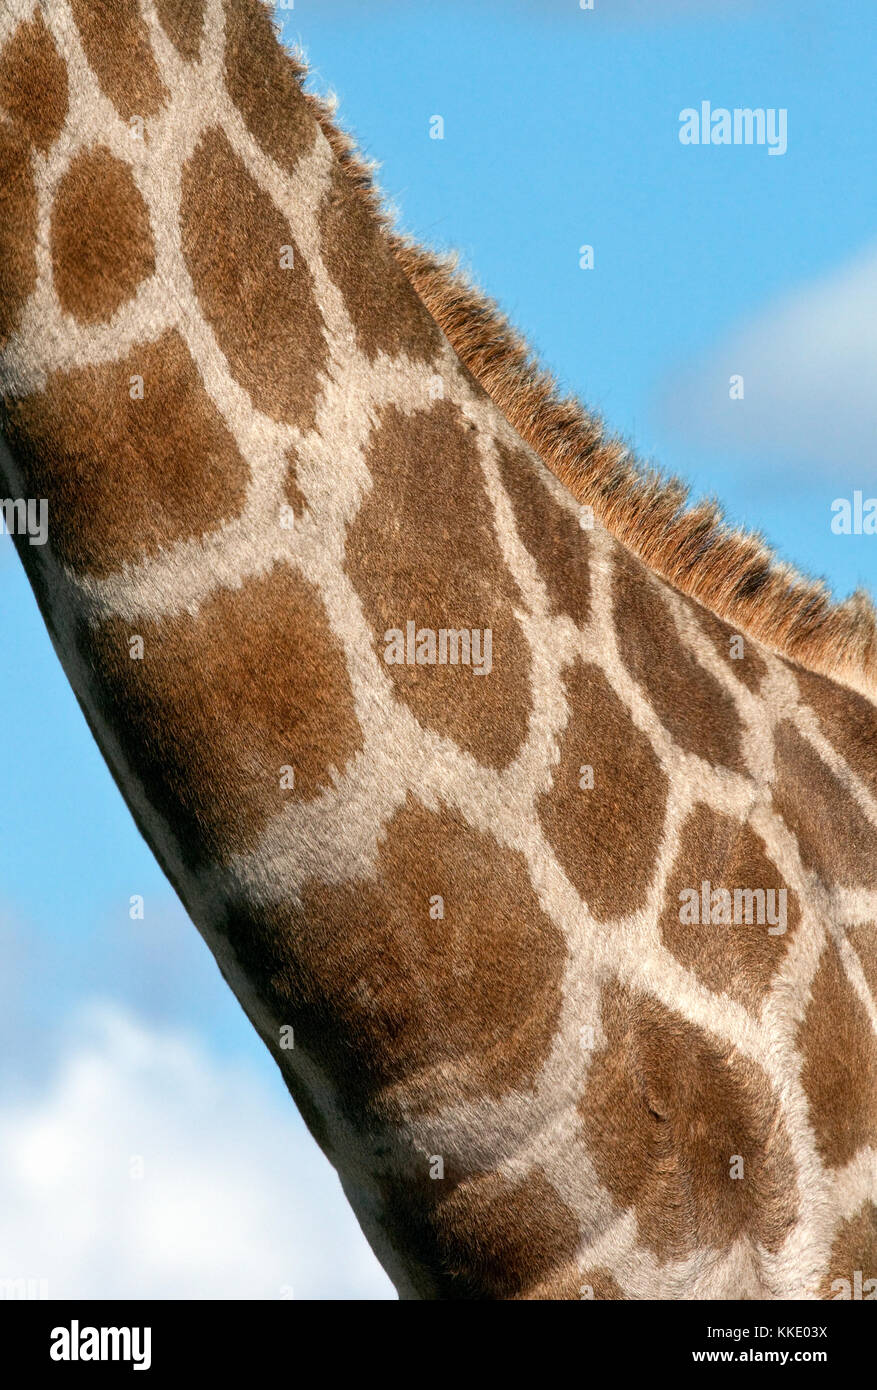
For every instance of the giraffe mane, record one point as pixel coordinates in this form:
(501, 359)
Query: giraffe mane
(730, 570)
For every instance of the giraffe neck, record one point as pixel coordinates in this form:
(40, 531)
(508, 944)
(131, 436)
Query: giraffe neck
(265, 469)
(429, 759)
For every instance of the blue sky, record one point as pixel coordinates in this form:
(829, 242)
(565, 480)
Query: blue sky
(561, 128)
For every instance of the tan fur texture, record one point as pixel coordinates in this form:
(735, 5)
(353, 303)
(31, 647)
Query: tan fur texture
(459, 887)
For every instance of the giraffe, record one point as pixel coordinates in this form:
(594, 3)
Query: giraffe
(433, 706)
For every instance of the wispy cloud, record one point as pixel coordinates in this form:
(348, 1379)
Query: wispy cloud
(147, 1169)
(809, 367)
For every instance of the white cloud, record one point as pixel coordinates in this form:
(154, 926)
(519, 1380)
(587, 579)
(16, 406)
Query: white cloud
(235, 1201)
(809, 364)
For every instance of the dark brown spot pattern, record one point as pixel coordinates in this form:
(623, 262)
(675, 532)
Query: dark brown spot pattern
(854, 1253)
(263, 313)
(183, 22)
(667, 1111)
(698, 714)
(483, 1236)
(116, 43)
(608, 835)
(741, 958)
(222, 702)
(98, 261)
(602, 1283)
(748, 666)
(125, 477)
(847, 720)
(423, 550)
(381, 992)
(295, 498)
(551, 534)
(387, 314)
(835, 839)
(33, 83)
(263, 82)
(18, 229)
(839, 1071)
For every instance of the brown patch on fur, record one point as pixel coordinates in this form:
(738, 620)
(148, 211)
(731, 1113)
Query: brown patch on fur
(727, 570)
(98, 261)
(741, 959)
(606, 1288)
(295, 498)
(847, 720)
(386, 313)
(116, 43)
(125, 477)
(18, 230)
(263, 82)
(839, 1071)
(562, 1285)
(551, 534)
(463, 1007)
(482, 1236)
(697, 713)
(423, 549)
(609, 835)
(33, 83)
(183, 22)
(749, 668)
(854, 1251)
(221, 702)
(265, 317)
(391, 1002)
(665, 1111)
(834, 838)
